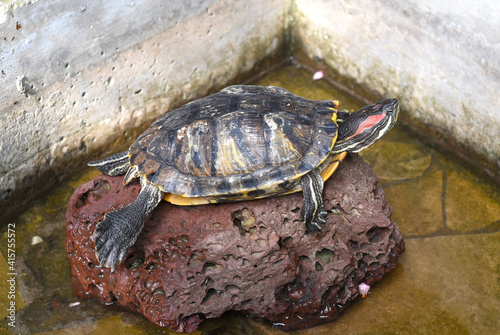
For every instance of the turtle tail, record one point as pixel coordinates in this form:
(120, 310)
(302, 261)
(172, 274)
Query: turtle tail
(114, 165)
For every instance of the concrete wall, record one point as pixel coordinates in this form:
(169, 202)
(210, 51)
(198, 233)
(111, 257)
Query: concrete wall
(76, 75)
(440, 58)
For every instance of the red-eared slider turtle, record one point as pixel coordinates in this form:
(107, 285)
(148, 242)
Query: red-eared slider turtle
(245, 142)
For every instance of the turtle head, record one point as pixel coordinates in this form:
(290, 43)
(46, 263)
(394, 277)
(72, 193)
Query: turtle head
(364, 127)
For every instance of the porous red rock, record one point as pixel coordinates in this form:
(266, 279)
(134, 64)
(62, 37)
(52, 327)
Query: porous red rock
(196, 262)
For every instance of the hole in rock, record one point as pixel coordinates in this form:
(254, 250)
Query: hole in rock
(208, 282)
(354, 244)
(232, 289)
(159, 291)
(325, 256)
(373, 266)
(94, 289)
(287, 242)
(135, 259)
(82, 200)
(211, 267)
(246, 302)
(100, 190)
(209, 297)
(243, 219)
(362, 265)
(195, 260)
(179, 241)
(309, 282)
(151, 266)
(230, 258)
(377, 234)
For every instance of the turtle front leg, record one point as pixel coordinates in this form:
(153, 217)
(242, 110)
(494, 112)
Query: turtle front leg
(313, 213)
(119, 229)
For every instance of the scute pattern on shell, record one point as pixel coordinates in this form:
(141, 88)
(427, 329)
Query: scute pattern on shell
(241, 141)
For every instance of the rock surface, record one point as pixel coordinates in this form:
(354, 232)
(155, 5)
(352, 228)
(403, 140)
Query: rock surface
(193, 263)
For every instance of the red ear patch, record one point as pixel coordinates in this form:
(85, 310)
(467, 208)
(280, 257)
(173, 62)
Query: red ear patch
(368, 123)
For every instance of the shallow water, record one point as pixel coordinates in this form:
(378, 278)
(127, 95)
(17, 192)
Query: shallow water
(447, 281)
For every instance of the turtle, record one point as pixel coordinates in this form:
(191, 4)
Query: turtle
(244, 142)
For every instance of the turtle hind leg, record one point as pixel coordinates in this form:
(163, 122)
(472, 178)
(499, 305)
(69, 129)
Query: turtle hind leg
(313, 213)
(119, 229)
(114, 165)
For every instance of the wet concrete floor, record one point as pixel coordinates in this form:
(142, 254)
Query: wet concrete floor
(447, 281)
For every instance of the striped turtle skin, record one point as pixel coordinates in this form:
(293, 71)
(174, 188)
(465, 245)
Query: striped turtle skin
(244, 142)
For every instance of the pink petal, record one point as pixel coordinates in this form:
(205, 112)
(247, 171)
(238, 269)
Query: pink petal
(363, 289)
(318, 75)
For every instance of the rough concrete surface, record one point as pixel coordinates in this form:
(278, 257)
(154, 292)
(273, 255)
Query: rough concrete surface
(75, 76)
(197, 262)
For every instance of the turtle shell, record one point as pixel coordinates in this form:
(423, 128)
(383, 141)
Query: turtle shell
(242, 142)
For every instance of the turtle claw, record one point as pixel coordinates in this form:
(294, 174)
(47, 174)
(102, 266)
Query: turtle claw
(114, 236)
(315, 223)
(311, 227)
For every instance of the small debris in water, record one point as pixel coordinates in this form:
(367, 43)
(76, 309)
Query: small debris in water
(73, 304)
(363, 289)
(36, 239)
(318, 75)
